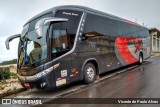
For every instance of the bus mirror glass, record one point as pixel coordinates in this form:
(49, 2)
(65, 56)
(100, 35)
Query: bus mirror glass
(39, 28)
(10, 39)
(39, 33)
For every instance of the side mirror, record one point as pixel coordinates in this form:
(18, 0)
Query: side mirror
(10, 39)
(42, 22)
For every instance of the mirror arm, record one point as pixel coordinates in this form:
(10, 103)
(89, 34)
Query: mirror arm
(10, 39)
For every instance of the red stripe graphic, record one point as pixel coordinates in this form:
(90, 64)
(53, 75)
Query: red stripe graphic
(121, 43)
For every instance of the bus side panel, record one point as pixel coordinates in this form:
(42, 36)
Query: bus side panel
(116, 43)
(62, 71)
(101, 33)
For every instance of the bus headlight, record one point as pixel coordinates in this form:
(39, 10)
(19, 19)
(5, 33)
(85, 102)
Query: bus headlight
(45, 72)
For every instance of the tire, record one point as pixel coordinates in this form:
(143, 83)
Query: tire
(140, 59)
(89, 73)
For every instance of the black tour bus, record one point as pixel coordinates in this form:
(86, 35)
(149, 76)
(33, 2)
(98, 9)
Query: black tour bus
(71, 43)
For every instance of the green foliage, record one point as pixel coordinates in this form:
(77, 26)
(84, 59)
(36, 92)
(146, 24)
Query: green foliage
(7, 74)
(13, 61)
(14, 75)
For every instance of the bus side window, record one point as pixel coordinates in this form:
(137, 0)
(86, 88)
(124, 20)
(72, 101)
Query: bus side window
(60, 40)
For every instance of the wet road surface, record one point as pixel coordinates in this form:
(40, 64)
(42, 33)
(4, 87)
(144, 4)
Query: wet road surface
(140, 82)
(137, 82)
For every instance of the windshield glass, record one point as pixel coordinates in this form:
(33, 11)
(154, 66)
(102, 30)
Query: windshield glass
(31, 49)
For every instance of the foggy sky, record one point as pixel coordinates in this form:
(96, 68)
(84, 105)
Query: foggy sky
(14, 13)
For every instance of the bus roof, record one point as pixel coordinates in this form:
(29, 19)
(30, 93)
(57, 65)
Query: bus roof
(84, 9)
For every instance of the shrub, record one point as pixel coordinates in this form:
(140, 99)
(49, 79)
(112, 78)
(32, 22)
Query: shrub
(6, 74)
(13, 75)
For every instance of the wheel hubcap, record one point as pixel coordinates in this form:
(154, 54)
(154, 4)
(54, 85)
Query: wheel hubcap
(90, 73)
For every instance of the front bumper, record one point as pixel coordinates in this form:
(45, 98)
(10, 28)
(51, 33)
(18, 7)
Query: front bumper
(35, 77)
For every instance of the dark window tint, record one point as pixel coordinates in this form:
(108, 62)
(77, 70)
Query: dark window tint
(122, 28)
(142, 32)
(126, 30)
(100, 25)
(60, 40)
(71, 25)
(73, 20)
(132, 31)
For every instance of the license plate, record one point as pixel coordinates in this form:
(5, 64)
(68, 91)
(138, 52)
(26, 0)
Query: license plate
(60, 82)
(26, 85)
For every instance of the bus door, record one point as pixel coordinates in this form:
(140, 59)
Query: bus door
(71, 60)
(59, 52)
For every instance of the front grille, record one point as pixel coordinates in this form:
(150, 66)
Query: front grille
(24, 71)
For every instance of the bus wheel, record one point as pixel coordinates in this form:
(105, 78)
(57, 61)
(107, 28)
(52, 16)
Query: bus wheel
(89, 73)
(140, 58)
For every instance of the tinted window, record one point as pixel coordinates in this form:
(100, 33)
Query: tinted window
(122, 28)
(60, 41)
(71, 25)
(73, 20)
(100, 25)
(132, 32)
(142, 32)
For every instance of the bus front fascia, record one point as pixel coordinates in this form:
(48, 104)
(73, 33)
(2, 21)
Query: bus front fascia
(39, 28)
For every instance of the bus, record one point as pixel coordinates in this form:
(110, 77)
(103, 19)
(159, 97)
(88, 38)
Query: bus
(72, 43)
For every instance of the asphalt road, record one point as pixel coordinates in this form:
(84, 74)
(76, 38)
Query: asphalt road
(139, 82)
(130, 82)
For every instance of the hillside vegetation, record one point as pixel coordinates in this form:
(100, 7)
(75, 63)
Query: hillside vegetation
(13, 61)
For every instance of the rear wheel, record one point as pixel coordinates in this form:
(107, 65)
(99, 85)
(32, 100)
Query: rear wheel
(140, 58)
(89, 73)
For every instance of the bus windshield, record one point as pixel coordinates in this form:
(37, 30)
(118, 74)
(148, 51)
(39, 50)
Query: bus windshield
(31, 49)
